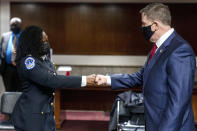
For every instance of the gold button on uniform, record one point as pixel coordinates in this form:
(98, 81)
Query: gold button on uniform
(53, 93)
(42, 113)
(51, 104)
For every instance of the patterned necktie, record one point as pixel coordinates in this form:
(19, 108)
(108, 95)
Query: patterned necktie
(153, 50)
(14, 52)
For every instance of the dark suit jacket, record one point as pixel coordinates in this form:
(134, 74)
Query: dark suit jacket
(167, 86)
(4, 41)
(34, 110)
(3, 45)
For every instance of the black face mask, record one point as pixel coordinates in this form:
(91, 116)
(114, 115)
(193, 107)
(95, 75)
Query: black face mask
(147, 32)
(15, 30)
(45, 48)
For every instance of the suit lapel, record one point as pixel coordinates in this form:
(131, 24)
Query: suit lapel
(161, 50)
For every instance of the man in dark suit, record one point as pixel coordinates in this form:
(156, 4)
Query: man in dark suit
(8, 46)
(167, 76)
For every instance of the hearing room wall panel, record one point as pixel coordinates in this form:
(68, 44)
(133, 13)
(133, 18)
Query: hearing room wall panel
(86, 28)
(100, 29)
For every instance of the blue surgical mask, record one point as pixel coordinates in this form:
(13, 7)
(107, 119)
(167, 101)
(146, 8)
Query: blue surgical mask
(147, 32)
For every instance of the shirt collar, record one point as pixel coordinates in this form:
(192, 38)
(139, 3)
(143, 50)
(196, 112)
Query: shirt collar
(164, 37)
(44, 57)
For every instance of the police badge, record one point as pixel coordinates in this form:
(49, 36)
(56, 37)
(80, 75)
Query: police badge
(29, 63)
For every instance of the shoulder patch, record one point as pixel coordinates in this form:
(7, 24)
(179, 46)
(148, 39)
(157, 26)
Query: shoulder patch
(29, 63)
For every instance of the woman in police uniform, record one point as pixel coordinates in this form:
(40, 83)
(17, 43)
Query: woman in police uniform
(34, 111)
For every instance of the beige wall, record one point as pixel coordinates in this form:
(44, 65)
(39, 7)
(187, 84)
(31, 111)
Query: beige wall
(4, 15)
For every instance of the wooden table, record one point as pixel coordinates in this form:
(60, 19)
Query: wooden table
(94, 98)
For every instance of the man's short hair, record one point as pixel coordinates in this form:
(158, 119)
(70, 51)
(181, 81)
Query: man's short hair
(15, 20)
(157, 11)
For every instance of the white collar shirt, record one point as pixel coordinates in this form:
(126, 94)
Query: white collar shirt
(164, 37)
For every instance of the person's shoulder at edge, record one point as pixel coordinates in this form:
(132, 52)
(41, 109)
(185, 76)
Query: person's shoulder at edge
(182, 45)
(6, 33)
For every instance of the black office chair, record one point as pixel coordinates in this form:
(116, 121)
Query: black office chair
(130, 118)
(8, 101)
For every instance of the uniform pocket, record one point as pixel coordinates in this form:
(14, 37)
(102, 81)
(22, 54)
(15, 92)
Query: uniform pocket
(37, 116)
(36, 123)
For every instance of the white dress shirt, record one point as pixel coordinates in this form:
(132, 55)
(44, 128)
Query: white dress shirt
(83, 81)
(164, 37)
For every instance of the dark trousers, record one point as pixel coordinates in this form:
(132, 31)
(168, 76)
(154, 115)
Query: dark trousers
(11, 78)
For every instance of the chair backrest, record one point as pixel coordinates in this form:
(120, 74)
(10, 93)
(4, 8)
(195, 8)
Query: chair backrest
(128, 110)
(130, 118)
(8, 101)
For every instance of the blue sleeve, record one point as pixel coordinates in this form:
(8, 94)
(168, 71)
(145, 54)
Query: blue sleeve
(127, 80)
(180, 69)
(39, 74)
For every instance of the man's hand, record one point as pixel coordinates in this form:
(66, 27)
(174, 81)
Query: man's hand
(90, 79)
(101, 80)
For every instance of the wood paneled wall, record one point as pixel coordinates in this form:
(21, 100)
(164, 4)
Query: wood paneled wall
(100, 29)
